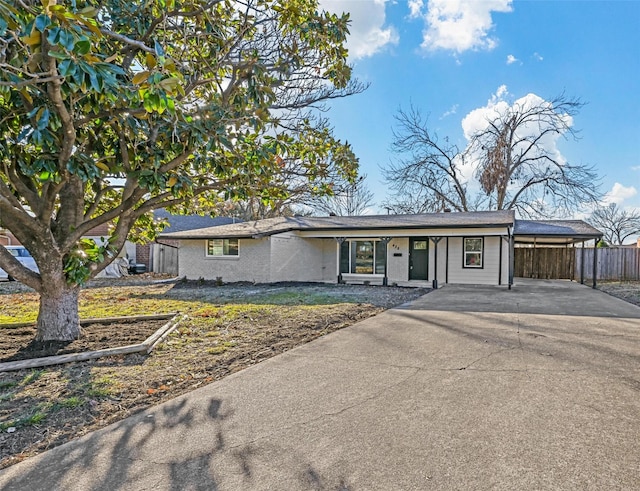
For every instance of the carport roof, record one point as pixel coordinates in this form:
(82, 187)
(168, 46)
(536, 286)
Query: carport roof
(554, 231)
(271, 226)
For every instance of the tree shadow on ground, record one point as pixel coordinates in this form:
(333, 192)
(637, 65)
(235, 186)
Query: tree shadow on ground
(141, 453)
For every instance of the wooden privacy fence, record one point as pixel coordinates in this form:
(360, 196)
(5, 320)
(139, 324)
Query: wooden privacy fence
(165, 259)
(613, 263)
(544, 262)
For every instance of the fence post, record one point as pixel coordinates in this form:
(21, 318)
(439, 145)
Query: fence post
(582, 264)
(595, 261)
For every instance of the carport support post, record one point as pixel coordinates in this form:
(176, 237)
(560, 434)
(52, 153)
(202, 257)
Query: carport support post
(385, 241)
(595, 261)
(435, 261)
(582, 264)
(511, 257)
(339, 240)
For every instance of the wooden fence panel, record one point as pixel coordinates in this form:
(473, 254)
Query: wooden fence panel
(613, 263)
(165, 259)
(544, 262)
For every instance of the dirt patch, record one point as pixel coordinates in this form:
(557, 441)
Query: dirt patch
(228, 328)
(19, 344)
(625, 290)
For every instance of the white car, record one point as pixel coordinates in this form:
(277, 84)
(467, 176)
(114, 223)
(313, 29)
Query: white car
(22, 255)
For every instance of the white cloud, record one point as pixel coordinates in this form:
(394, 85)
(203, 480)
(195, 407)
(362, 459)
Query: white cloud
(450, 112)
(511, 59)
(501, 93)
(499, 103)
(415, 8)
(368, 32)
(635, 168)
(619, 193)
(461, 25)
(538, 56)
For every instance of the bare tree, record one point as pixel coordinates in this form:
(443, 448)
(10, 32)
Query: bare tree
(426, 177)
(515, 166)
(616, 224)
(350, 200)
(518, 170)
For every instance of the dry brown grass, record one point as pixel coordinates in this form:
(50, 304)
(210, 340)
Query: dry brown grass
(227, 329)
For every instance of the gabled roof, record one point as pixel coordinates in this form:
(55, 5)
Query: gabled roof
(271, 226)
(180, 223)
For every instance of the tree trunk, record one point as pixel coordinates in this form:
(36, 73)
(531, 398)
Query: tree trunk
(58, 318)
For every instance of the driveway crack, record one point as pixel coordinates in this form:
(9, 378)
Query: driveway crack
(331, 414)
(485, 357)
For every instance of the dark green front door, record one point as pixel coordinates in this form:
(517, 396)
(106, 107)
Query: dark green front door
(419, 258)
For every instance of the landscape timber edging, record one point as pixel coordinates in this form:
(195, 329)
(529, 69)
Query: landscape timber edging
(146, 346)
(101, 320)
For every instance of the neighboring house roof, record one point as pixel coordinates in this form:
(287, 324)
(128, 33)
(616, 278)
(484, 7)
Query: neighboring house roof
(271, 226)
(569, 230)
(180, 223)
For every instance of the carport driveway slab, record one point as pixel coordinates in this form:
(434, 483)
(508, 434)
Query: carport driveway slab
(469, 387)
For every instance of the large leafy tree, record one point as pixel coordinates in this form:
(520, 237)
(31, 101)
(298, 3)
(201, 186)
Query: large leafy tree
(510, 163)
(297, 193)
(111, 109)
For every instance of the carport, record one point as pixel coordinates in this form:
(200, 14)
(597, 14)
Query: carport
(540, 240)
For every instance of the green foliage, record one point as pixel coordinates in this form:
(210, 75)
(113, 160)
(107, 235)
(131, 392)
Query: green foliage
(109, 110)
(79, 263)
(31, 377)
(104, 386)
(68, 403)
(32, 419)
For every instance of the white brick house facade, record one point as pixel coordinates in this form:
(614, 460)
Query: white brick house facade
(473, 248)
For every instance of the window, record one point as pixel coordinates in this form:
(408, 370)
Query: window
(381, 257)
(363, 257)
(420, 245)
(222, 247)
(473, 252)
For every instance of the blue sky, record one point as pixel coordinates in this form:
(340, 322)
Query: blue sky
(451, 57)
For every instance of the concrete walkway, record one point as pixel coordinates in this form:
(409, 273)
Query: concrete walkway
(466, 388)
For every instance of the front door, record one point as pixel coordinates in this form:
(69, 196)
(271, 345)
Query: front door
(419, 258)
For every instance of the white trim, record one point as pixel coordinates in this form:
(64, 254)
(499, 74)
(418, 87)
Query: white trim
(362, 239)
(220, 256)
(401, 233)
(465, 252)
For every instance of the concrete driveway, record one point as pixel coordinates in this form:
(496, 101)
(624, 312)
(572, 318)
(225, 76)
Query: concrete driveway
(466, 388)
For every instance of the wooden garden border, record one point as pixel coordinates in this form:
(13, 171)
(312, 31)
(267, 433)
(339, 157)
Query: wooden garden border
(146, 346)
(101, 320)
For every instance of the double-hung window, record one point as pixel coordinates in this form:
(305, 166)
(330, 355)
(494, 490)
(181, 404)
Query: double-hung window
(222, 247)
(473, 252)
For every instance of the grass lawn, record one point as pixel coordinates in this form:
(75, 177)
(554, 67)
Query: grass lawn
(227, 329)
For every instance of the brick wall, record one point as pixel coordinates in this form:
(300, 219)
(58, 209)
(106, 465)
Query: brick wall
(143, 255)
(7, 238)
(296, 259)
(99, 231)
(252, 263)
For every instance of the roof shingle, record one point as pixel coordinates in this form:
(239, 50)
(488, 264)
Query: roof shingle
(273, 226)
